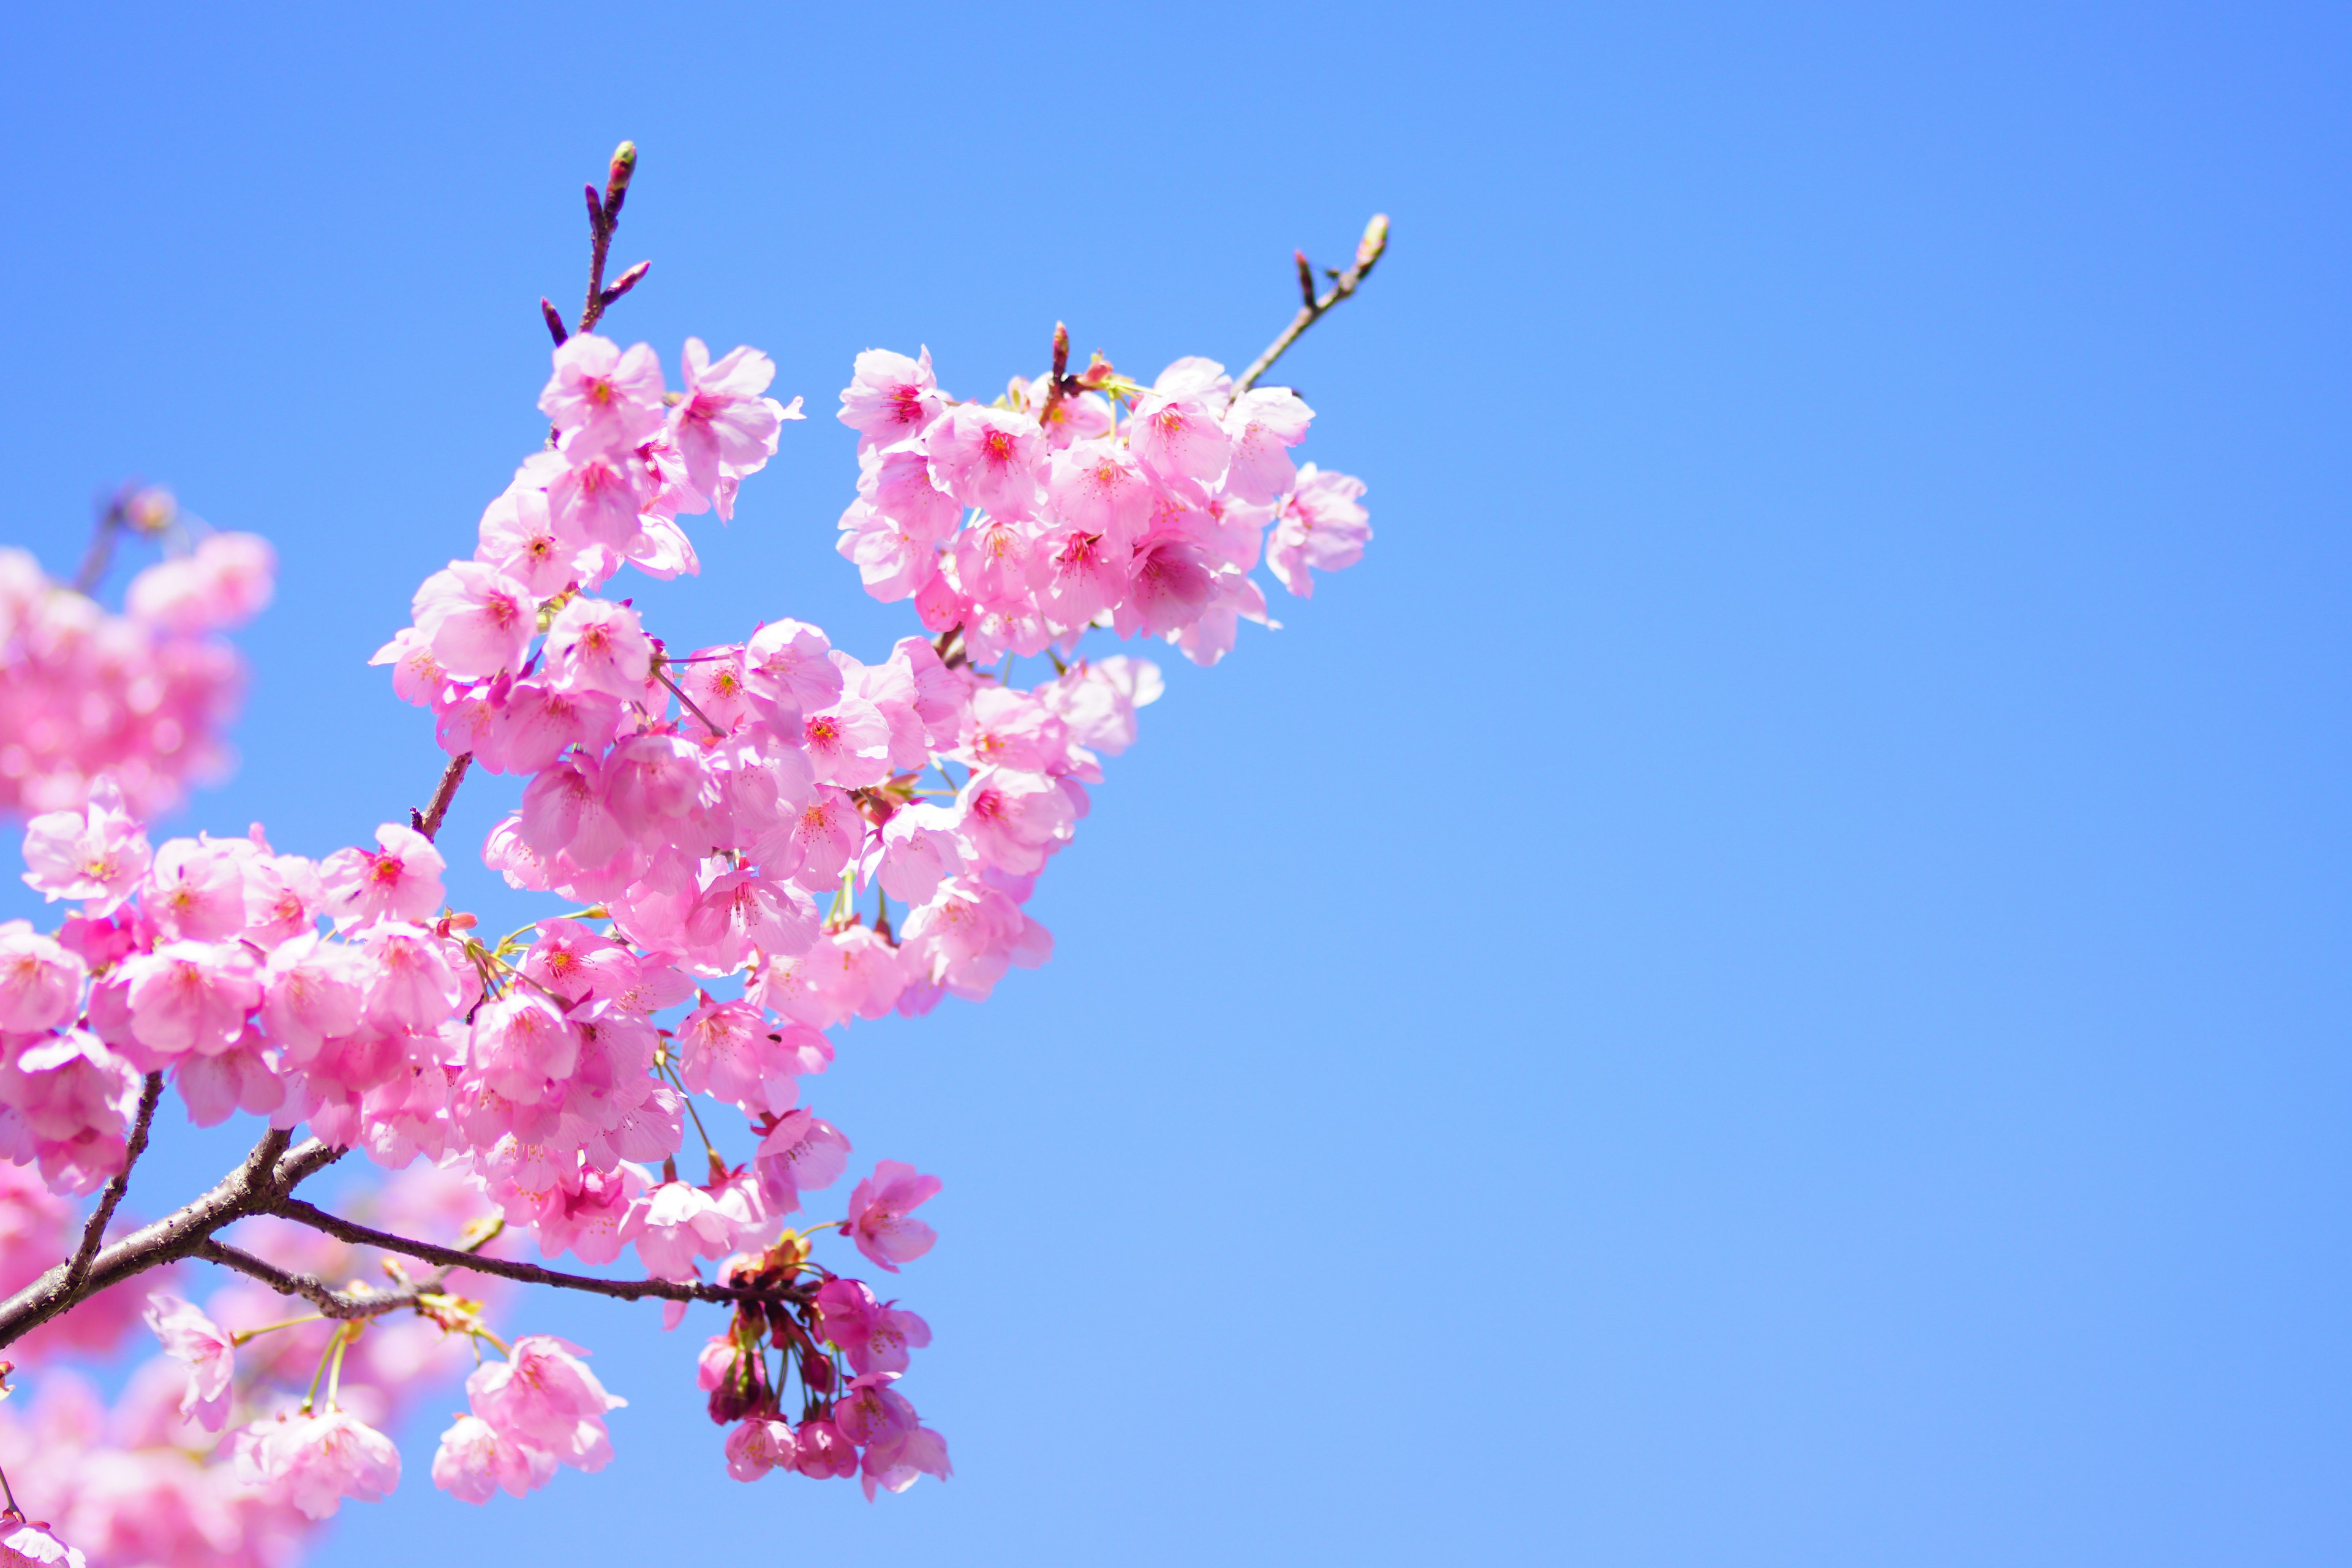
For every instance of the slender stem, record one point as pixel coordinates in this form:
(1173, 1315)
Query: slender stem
(94, 1233)
(100, 554)
(245, 1336)
(334, 1344)
(11, 1494)
(1368, 251)
(428, 821)
(680, 693)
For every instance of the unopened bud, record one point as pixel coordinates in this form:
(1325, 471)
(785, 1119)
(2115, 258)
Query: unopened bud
(616, 181)
(151, 510)
(625, 282)
(1375, 240)
(817, 1373)
(554, 318)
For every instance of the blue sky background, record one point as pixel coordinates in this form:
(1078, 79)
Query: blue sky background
(1765, 983)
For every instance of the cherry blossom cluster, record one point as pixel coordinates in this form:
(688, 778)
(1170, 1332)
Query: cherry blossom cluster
(1087, 501)
(756, 842)
(141, 698)
(154, 1477)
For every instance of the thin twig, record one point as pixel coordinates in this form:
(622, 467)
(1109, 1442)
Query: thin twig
(428, 821)
(679, 692)
(100, 554)
(524, 1273)
(94, 1232)
(1368, 251)
(604, 217)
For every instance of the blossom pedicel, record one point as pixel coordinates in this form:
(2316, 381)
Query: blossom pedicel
(756, 842)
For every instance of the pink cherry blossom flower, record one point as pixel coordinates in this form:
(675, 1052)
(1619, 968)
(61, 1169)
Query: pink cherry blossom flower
(821, 1453)
(603, 397)
(316, 1461)
(1013, 820)
(225, 581)
(890, 399)
(96, 853)
(191, 997)
(475, 620)
(65, 1100)
(1265, 423)
(595, 497)
(476, 1461)
(803, 1153)
(723, 421)
(848, 744)
(1320, 525)
(519, 539)
(759, 1445)
(210, 1354)
(878, 1210)
(599, 647)
(875, 1335)
(400, 880)
(1179, 438)
(788, 672)
(544, 1397)
(40, 980)
(894, 1460)
(988, 457)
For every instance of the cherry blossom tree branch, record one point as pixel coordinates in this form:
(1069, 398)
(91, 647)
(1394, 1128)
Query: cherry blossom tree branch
(270, 1172)
(428, 821)
(604, 217)
(95, 1231)
(101, 554)
(1368, 251)
(522, 1273)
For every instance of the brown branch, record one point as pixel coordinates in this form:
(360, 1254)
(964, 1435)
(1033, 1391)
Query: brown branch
(1368, 251)
(522, 1273)
(331, 1302)
(268, 1174)
(101, 554)
(679, 692)
(95, 1231)
(428, 821)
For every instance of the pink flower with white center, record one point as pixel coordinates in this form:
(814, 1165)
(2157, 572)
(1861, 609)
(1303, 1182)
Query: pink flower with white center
(760, 1445)
(596, 498)
(875, 1335)
(893, 561)
(856, 972)
(543, 1396)
(988, 457)
(315, 1461)
(788, 671)
(803, 1153)
(1265, 423)
(724, 422)
(890, 398)
(898, 486)
(1013, 820)
(205, 1347)
(1098, 699)
(40, 980)
(475, 620)
(476, 1459)
(1321, 526)
(97, 854)
(1178, 438)
(576, 962)
(25, 1544)
(191, 997)
(399, 881)
(520, 1046)
(848, 744)
(1170, 585)
(518, 537)
(314, 991)
(599, 647)
(412, 982)
(878, 1215)
(600, 396)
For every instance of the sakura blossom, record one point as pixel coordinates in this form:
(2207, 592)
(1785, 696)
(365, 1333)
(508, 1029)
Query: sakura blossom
(756, 846)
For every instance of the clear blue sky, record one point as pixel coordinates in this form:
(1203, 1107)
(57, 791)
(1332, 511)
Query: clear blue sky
(1764, 984)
